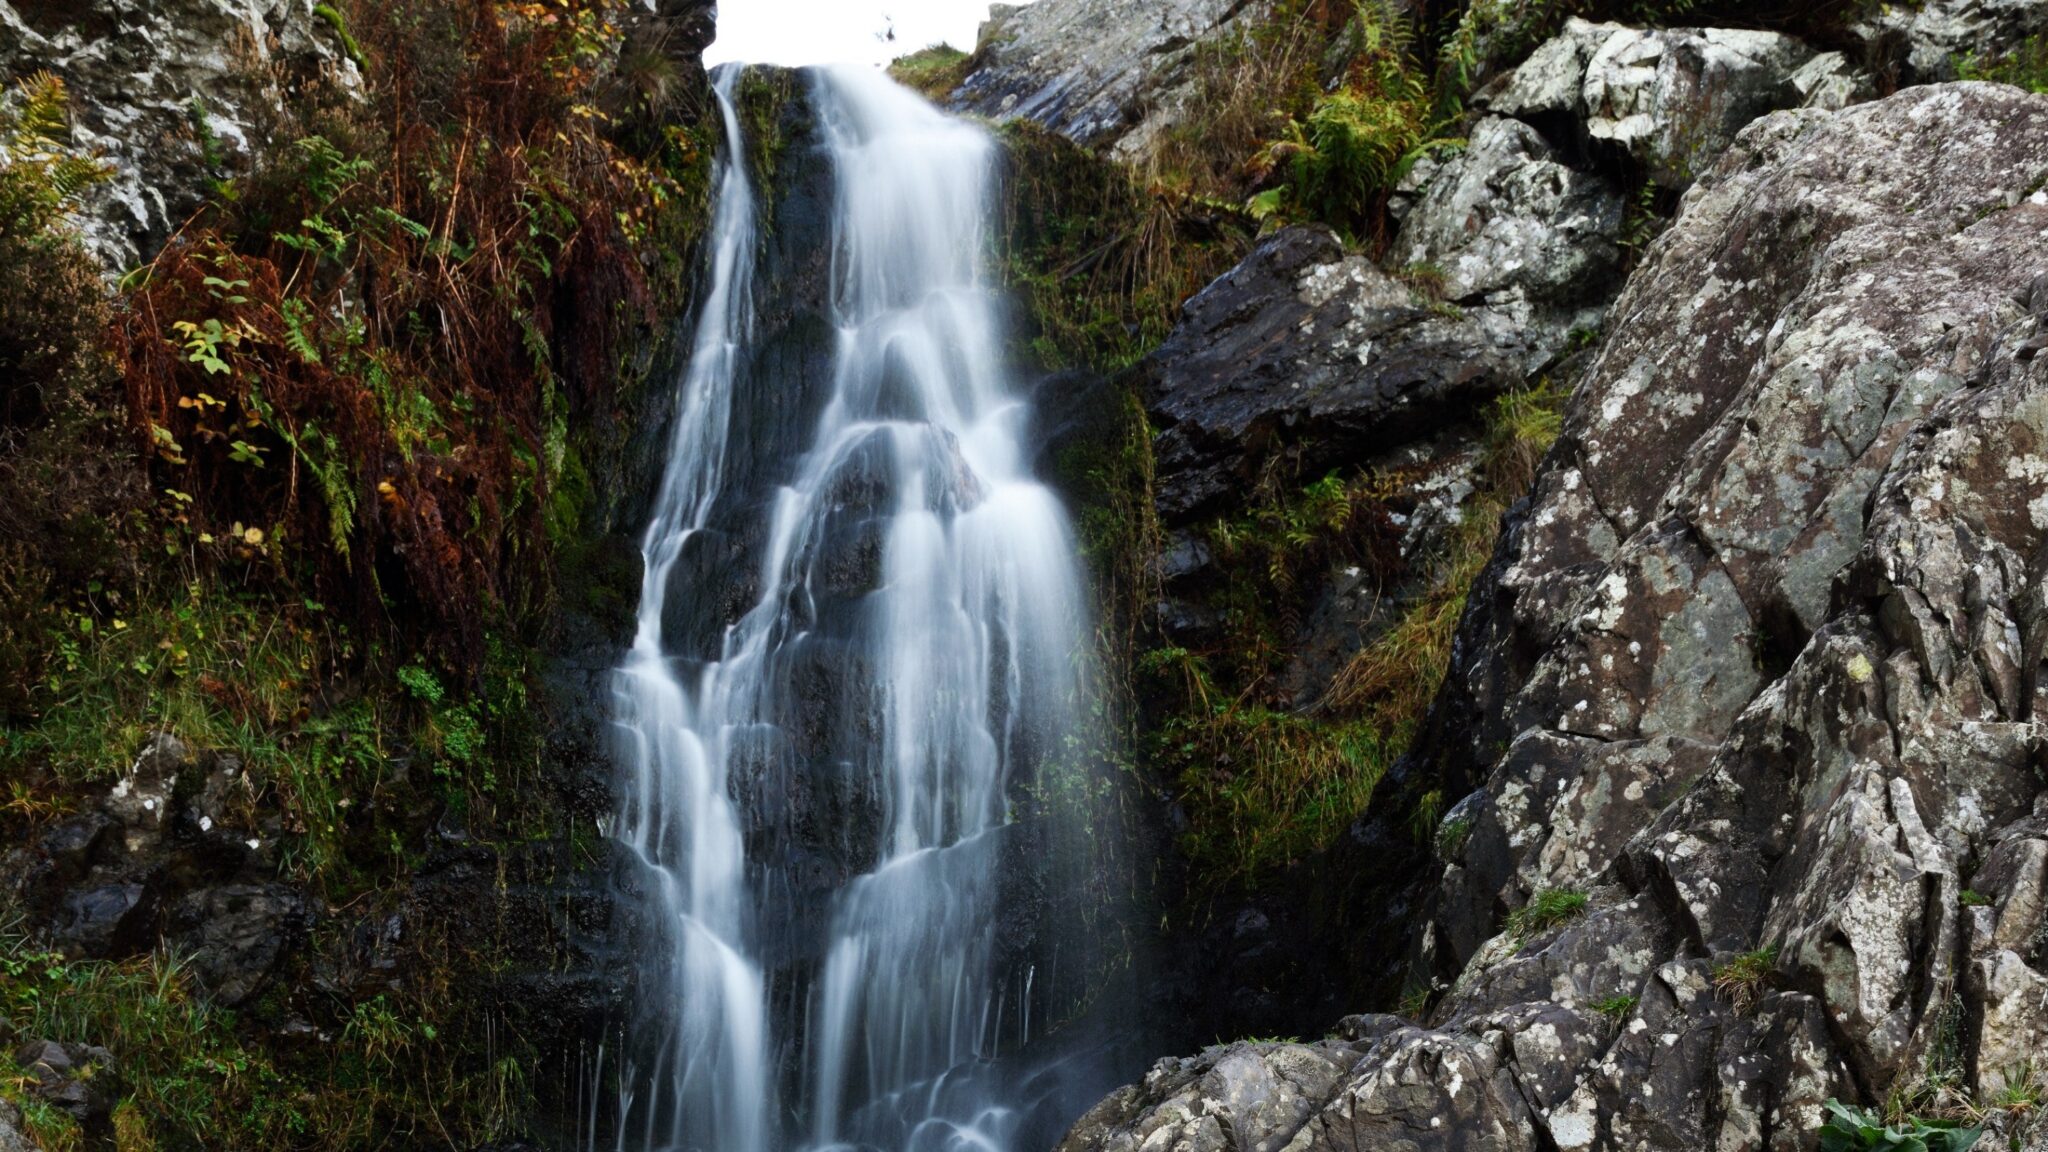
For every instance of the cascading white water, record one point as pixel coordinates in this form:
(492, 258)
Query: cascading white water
(958, 657)
(714, 1066)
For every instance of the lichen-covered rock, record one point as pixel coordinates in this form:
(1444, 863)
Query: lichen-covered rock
(1304, 352)
(1526, 244)
(1672, 99)
(1104, 73)
(1250, 1096)
(1757, 669)
(165, 92)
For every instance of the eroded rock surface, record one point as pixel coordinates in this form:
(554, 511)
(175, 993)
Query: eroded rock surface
(1756, 670)
(1104, 73)
(1305, 352)
(1938, 35)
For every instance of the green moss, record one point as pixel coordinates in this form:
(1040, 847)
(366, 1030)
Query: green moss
(767, 99)
(1101, 262)
(339, 23)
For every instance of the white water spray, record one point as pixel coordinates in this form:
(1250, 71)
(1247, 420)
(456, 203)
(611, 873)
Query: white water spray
(958, 657)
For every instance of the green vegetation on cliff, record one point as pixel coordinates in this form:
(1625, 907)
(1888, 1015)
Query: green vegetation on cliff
(310, 491)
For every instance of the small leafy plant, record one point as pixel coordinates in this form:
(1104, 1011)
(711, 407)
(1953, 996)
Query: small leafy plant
(1850, 1129)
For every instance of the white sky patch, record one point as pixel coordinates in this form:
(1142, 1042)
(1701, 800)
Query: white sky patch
(797, 32)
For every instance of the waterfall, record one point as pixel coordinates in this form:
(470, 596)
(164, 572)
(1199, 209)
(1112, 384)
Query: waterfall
(867, 1018)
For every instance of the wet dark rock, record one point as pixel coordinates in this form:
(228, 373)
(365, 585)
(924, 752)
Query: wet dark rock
(75, 1078)
(112, 920)
(233, 937)
(1306, 355)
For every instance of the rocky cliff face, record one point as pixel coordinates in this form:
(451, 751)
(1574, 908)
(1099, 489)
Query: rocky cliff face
(1107, 73)
(169, 94)
(1747, 694)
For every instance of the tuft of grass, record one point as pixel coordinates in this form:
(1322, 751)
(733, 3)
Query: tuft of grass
(1550, 908)
(1974, 899)
(934, 71)
(1744, 977)
(191, 1081)
(1617, 1008)
(2024, 1091)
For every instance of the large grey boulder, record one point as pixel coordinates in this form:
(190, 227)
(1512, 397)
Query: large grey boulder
(1757, 670)
(1104, 73)
(155, 87)
(1308, 355)
(1670, 98)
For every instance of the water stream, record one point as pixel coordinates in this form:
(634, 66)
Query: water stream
(869, 1018)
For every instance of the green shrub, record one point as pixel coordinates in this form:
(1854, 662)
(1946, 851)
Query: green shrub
(2024, 67)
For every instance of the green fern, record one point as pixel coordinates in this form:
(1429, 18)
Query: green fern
(44, 177)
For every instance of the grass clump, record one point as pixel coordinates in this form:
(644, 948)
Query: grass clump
(1744, 977)
(1103, 261)
(1617, 1008)
(934, 71)
(1550, 908)
(190, 1080)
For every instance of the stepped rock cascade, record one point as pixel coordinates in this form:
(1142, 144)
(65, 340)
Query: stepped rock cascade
(779, 1016)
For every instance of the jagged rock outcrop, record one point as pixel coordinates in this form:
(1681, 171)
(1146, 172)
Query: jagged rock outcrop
(1104, 73)
(1305, 353)
(1525, 224)
(1670, 99)
(1528, 245)
(168, 94)
(1756, 672)
(1935, 36)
